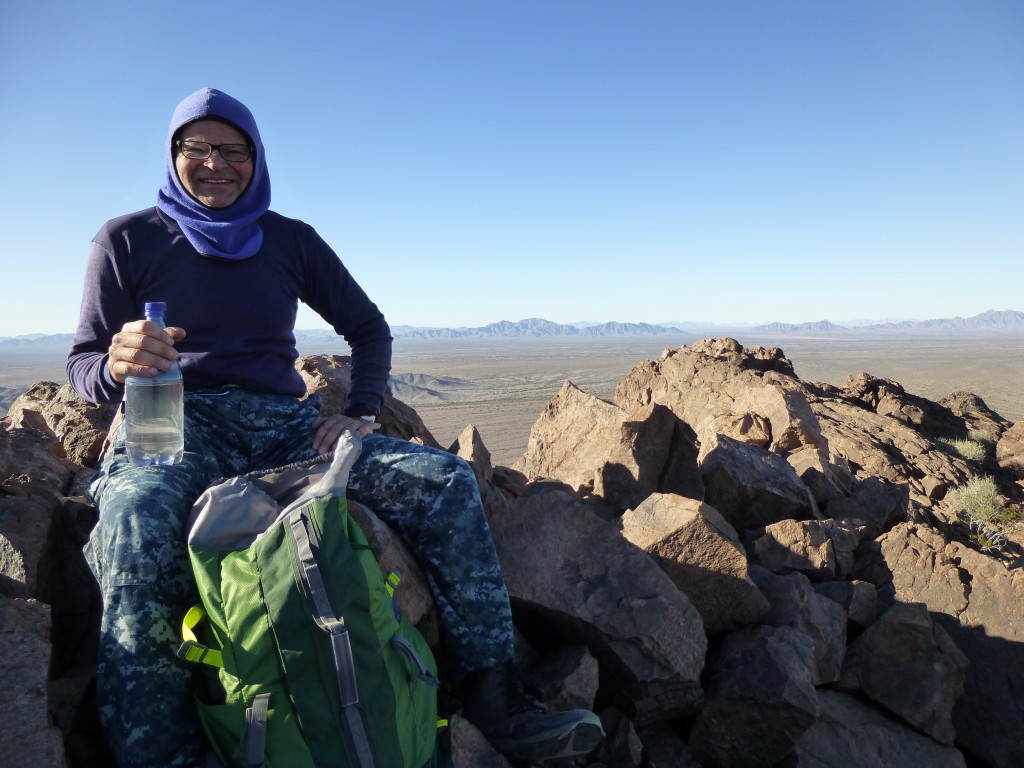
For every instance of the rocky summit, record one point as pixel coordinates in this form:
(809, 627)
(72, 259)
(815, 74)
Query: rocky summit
(731, 566)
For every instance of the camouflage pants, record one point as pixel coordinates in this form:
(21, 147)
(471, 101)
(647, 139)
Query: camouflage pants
(137, 552)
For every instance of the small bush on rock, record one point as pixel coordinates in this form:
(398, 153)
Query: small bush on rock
(967, 449)
(979, 506)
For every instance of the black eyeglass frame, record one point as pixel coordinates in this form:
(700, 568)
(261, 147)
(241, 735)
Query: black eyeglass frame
(180, 144)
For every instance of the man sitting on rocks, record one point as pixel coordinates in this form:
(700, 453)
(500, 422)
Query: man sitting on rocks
(232, 272)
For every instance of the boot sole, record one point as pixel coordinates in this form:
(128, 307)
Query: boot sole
(547, 750)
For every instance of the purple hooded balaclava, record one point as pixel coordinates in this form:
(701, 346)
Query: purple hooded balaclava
(228, 233)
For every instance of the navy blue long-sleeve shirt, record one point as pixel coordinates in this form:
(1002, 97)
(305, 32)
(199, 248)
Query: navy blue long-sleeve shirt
(239, 315)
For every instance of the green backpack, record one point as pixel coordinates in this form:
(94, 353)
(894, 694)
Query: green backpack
(314, 665)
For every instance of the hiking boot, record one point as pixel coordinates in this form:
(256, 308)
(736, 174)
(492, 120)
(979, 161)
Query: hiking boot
(519, 726)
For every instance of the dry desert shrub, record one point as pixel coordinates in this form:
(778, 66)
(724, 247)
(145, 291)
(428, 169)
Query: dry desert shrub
(979, 506)
(967, 449)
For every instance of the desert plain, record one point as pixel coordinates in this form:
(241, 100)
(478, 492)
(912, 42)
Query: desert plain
(501, 385)
(509, 381)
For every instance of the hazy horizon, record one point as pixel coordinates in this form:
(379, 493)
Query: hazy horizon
(682, 325)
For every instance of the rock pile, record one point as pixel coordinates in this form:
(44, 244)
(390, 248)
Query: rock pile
(731, 566)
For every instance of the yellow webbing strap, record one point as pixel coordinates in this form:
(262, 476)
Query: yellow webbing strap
(191, 649)
(392, 580)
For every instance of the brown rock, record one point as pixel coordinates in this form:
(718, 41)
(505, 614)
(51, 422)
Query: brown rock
(469, 748)
(665, 748)
(924, 569)
(598, 448)
(470, 447)
(760, 699)
(702, 555)
(621, 745)
(32, 483)
(853, 734)
(580, 581)
(883, 448)
(875, 503)
(794, 603)
(78, 428)
(1010, 448)
(718, 387)
(977, 600)
(911, 667)
(976, 415)
(934, 488)
(595, 613)
(751, 486)
(826, 477)
(31, 463)
(858, 598)
(821, 549)
(328, 377)
(26, 735)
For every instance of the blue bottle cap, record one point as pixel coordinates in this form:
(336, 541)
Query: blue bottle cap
(154, 308)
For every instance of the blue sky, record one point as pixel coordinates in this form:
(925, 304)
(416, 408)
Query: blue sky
(645, 161)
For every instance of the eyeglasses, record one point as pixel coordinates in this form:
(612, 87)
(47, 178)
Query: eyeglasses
(200, 150)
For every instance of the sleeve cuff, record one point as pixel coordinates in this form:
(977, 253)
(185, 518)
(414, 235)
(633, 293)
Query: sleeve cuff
(358, 410)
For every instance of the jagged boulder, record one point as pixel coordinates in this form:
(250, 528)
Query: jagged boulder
(567, 678)
(573, 574)
(751, 486)
(794, 603)
(622, 744)
(470, 446)
(977, 417)
(703, 556)
(664, 747)
(858, 598)
(853, 734)
(26, 734)
(875, 503)
(820, 549)
(76, 428)
(883, 447)
(909, 665)
(33, 479)
(599, 449)
(888, 398)
(977, 600)
(328, 377)
(761, 699)
(719, 388)
(468, 747)
(826, 477)
(413, 599)
(1010, 448)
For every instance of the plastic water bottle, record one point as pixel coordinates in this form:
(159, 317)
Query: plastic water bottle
(154, 414)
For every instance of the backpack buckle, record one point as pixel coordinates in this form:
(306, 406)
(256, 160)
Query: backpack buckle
(197, 653)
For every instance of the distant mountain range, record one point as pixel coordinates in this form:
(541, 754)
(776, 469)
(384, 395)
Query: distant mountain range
(534, 327)
(37, 340)
(992, 320)
(1007, 321)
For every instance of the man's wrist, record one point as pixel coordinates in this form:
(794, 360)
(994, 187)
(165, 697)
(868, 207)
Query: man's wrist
(371, 421)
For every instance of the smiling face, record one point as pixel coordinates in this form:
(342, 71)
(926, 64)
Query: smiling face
(214, 182)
